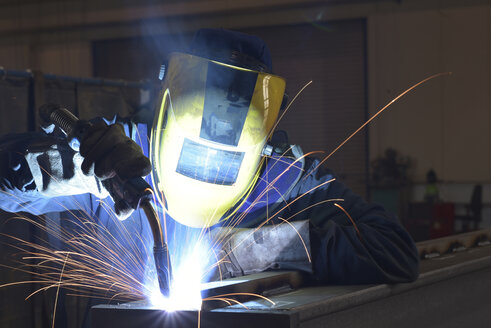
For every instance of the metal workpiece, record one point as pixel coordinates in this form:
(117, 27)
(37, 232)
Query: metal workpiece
(452, 291)
(244, 288)
(139, 315)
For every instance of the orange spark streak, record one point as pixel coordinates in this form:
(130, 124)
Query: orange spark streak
(381, 111)
(58, 291)
(243, 294)
(299, 236)
(350, 218)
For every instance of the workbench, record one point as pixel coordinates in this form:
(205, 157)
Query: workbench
(453, 290)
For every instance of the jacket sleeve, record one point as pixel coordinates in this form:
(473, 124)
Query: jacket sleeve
(40, 173)
(21, 190)
(381, 251)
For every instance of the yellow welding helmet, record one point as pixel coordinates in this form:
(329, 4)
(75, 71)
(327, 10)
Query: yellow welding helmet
(208, 136)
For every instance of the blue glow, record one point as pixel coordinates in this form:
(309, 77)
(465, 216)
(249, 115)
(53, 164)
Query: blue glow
(191, 256)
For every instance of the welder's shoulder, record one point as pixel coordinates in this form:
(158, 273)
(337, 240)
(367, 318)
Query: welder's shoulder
(318, 189)
(315, 176)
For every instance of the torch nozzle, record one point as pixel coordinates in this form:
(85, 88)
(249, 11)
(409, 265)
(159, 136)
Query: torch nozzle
(160, 252)
(163, 268)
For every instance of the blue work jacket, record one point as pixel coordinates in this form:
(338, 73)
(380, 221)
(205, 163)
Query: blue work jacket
(377, 250)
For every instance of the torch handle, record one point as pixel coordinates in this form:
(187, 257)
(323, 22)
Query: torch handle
(74, 128)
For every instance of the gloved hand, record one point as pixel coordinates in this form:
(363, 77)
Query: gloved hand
(107, 152)
(246, 251)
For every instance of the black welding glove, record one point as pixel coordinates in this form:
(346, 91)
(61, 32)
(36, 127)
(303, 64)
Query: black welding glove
(283, 246)
(107, 152)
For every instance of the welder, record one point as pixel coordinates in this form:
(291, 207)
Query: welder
(216, 161)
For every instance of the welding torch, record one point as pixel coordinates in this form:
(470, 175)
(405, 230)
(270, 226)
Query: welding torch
(135, 192)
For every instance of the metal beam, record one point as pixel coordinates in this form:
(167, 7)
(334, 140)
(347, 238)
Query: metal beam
(453, 243)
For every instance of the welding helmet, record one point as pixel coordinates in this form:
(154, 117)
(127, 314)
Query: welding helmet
(217, 109)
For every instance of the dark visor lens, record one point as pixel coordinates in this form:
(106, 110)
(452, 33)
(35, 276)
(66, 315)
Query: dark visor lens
(209, 164)
(228, 96)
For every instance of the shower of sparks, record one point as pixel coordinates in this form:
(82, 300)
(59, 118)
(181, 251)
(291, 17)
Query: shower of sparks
(116, 264)
(90, 260)
(93, 261)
